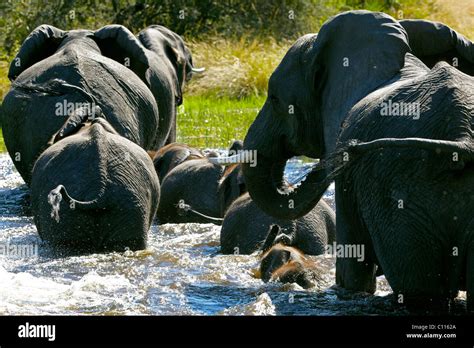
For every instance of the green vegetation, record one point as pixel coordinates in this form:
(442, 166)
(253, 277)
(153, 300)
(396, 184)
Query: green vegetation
(206, 122)
(2, 143)
(238, 42)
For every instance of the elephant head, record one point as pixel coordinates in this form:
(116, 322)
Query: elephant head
(320, 78)
(310, 94)
(171, 67)
(286, 264)
(170, 46)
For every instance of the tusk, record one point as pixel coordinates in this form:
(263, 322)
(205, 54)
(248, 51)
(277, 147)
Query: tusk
(227, 160)
(198, 70)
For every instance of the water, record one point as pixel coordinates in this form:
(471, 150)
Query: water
(181, 273)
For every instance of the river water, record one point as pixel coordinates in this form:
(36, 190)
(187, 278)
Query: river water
(180, 273)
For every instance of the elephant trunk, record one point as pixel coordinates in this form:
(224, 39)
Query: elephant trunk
(276, 197)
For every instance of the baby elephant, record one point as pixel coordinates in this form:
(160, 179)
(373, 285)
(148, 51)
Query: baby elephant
(197, 190)
(245, 228)
(172, 155)
(280, 262)
(93, 190)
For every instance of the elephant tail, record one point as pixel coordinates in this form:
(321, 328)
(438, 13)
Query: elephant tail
(463, 147)
(276, 236)
(269, 241)
(184, 208)
(60, 193)
(346, 154)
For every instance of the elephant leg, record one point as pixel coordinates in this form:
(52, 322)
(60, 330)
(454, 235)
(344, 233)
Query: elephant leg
(172, 133)
(352, 273)
(416, 264)
(355, 275)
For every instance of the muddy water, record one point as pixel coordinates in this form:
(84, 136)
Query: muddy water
(180, 273)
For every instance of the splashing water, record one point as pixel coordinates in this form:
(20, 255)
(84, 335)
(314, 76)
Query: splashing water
(180, 273)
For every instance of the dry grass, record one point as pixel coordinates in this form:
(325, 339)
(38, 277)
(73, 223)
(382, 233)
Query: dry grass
(235, 69)
(458, 14)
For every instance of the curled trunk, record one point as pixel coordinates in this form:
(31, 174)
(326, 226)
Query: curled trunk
(275, 197)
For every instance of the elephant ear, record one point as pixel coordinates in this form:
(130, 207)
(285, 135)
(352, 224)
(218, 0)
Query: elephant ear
(231, 186)
(40, 44)
(118, 43)
(432, 42)
(357, 46)
(353, 54)
(179, 64)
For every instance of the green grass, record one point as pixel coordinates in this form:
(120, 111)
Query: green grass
(2, 143)
(4, 82)
(211, 122)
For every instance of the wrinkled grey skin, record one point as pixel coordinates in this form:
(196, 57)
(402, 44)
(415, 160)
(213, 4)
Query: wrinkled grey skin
(246, 227)
(78, 66)
(172, 155)
(206, 187)
(171, 67)
(397, 158)
(107, 189)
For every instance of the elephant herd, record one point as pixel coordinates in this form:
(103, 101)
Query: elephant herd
(386, 106)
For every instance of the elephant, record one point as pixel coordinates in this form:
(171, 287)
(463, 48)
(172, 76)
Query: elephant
(171, 66)
(404, 182)
(245, 228)
(287, 264)
(171, 155)
(56, 72)
(93, 190)
(449, 45)
(200, 190)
